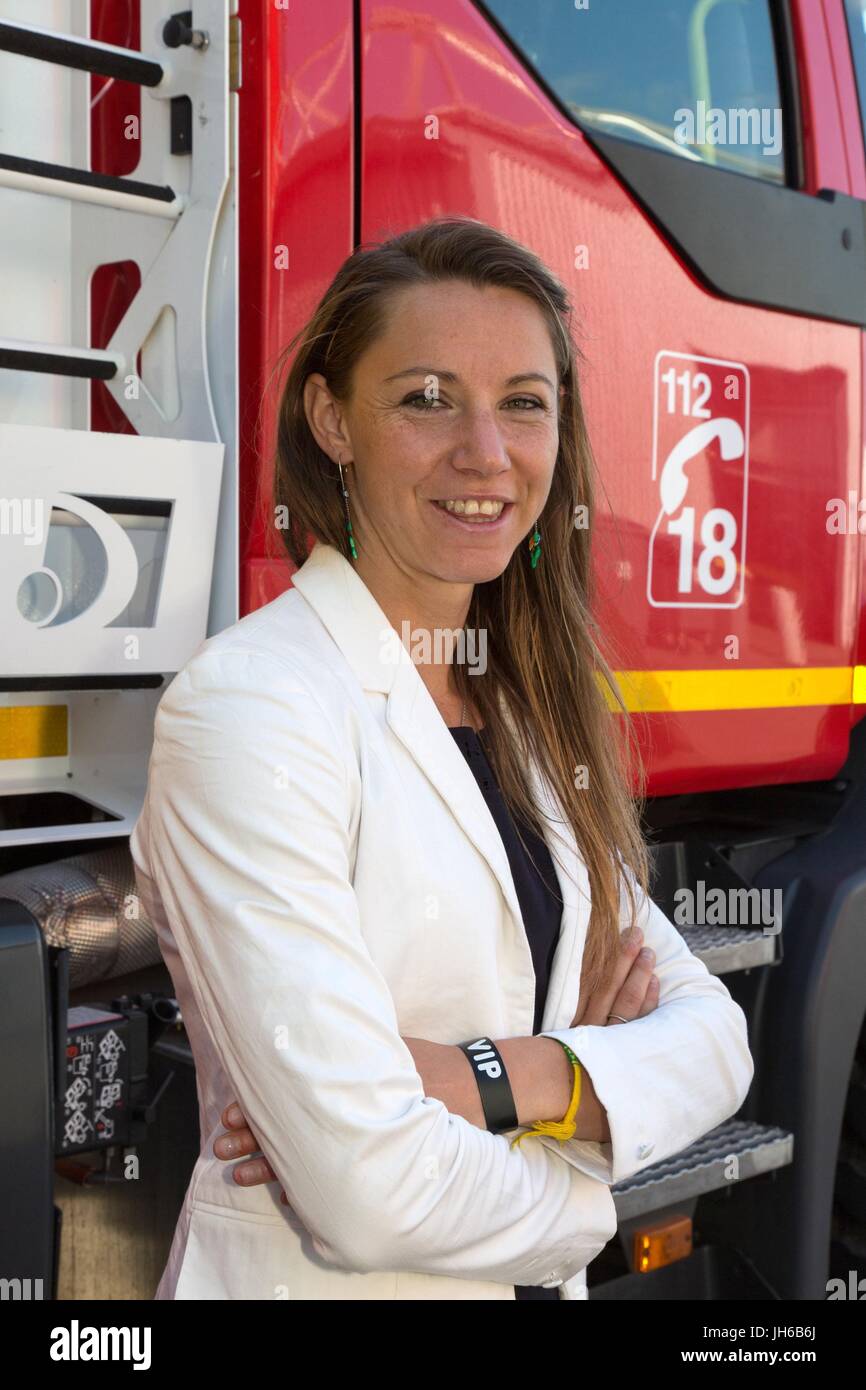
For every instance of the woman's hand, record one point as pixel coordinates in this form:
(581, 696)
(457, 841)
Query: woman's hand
(445, 1082)
(242, 1141)
(632, 992)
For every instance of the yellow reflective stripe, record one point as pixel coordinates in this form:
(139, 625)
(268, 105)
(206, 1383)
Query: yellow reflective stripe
(34, 731)
(723, 688)
(41, 731)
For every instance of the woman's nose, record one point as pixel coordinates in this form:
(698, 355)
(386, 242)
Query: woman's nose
(481, 443)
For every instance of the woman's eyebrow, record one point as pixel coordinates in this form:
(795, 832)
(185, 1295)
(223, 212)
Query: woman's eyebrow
(452, 376)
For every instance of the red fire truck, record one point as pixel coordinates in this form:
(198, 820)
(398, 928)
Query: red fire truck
(177, 188)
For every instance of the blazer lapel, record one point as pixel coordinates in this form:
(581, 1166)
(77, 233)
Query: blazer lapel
(564, 986)
(375, 652)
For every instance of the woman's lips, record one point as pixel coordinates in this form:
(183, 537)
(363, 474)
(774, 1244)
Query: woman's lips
(485, 524)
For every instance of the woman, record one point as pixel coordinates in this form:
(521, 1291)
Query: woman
(371, 864)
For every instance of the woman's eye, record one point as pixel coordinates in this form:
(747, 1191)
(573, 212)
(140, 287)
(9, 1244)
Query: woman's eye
(429, 402)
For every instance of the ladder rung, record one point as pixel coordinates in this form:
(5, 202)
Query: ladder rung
(13, 685)
(60, 180)
(19, 356)
(86, 55)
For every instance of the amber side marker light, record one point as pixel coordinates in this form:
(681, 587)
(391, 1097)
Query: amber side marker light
(662, 1244)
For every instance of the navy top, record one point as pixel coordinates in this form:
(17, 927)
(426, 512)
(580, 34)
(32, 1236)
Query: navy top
(537, 892)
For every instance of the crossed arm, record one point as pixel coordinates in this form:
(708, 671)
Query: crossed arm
(539, 1071)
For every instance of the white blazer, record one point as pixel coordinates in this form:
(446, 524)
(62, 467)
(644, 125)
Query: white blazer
(325, 875)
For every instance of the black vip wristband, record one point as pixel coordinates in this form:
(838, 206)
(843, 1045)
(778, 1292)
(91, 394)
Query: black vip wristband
(497, 1102)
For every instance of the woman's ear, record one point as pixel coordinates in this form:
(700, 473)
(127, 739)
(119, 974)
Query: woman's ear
(325, 418)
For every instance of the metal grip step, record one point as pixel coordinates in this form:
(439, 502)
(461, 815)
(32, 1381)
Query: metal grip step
(704, 1167)
(108, 183)
(85, 55)
(723, 949)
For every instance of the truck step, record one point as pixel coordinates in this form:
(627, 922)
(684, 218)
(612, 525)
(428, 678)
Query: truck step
(704, 1167)
(87, 55)
(724, 949)
(739, 931)
(19, 356)
(83, 185)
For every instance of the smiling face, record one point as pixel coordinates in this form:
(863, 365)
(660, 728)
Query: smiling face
(455, 403)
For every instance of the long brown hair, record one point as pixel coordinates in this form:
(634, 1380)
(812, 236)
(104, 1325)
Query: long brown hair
(543, 661)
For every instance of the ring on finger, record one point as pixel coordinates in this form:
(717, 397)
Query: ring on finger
(618, 1017)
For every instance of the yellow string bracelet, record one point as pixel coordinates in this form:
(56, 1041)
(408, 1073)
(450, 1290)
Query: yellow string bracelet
(559, 1129)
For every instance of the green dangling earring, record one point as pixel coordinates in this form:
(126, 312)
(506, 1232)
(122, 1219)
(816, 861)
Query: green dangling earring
(346, 502)
(535, 545)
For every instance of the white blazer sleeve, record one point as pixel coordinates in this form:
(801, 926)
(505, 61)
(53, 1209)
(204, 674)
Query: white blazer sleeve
(667, 1079)
(252, 795)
